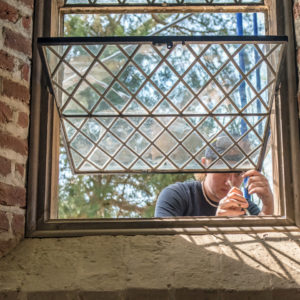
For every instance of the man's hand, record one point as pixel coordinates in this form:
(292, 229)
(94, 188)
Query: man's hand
(258, 184)
(233, 204)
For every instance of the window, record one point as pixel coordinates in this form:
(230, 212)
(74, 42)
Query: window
(156, 105)
(162, 120)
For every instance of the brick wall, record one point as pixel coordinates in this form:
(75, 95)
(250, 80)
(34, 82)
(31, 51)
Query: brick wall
(15, 64)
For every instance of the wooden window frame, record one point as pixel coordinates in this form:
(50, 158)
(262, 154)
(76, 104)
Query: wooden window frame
(43, 149)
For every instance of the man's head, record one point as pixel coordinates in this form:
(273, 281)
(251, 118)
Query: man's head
(218, 184)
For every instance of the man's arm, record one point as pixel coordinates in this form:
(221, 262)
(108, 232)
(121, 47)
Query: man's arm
(258, 184)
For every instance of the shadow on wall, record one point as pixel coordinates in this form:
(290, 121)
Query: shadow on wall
(236, 266)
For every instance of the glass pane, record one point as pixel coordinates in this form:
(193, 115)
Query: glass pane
(66, 78)
(122, 129)
(86, 96)
(228, 77)
(213, 58)
(99, 78)
(193, 143)
(52, 59)
(166, 142)
(180, 96)
(118, 96)
(79, 58)
(159, 24)
(73, 108)
(164, 78)
(153, 156)
(196, 77)
(233, 156)
(149, 96)
(146, 58)
(180, 156)
(247, 58)
(132, 78)
(180, 59)
(138, 143)
(125, 157)
(109, 143)
(82, 144)
(209, 128)
(180, 128)
(113, 59)
(211, 95)
(93, 130)
(99, 158)
(70, 130)
(151, 128)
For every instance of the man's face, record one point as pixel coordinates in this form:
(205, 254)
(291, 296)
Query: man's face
(217, 185)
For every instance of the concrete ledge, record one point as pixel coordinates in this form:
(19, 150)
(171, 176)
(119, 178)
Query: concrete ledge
(219, 267)
(138, 294)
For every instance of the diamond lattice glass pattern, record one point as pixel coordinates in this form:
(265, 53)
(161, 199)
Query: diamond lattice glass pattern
(144, 107)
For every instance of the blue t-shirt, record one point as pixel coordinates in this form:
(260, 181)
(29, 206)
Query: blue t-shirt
(187, 199)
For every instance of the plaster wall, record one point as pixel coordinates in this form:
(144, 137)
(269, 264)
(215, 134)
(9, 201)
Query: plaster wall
(239, 266)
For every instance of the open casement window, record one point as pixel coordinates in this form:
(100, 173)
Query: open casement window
(158, 103)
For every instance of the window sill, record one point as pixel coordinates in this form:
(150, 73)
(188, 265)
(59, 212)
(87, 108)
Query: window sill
(164, 226)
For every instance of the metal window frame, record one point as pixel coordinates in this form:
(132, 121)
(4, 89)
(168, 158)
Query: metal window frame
(41, 183)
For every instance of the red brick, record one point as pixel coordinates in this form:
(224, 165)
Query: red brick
(6, 61)
(8, 12)
(18, 224)
(20, 168)
(27, 2)
(13, 143)
(5, 166)
(26, 22)
(17, 41)
(5, 113)
(15, 90)
(23, 120)
(12, 195)
(4, 224)
(25, 71)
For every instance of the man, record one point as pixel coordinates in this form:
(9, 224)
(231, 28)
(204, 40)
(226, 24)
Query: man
(218, 194)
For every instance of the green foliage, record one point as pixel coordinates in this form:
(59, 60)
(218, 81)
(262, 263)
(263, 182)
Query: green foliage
(110, 196)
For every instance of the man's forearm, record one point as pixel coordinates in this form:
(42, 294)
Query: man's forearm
(268, 208)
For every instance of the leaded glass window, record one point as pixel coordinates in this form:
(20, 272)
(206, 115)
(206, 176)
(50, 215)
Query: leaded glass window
(158, 104)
